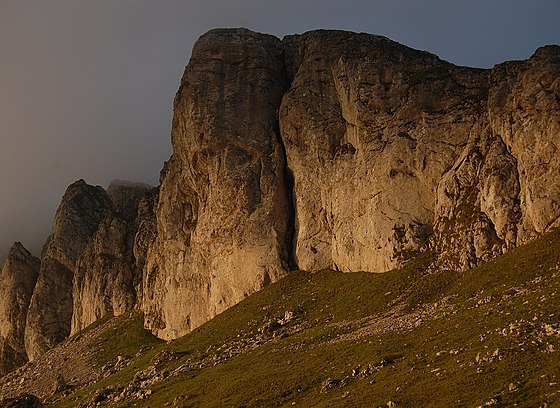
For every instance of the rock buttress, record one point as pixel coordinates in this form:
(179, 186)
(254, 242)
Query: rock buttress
(17, 280)
(76, 221)
(504, 189)
(223, 211)
(370, 126)
(107, 276)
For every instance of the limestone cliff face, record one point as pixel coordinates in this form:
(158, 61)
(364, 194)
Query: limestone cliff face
(324, 150)
(389, 145)
(370, 127)
(76, 221)
(105, 274)
(126, 196)
(146, 232)
(503, 189)
(223, 211)
(524, 110)
(346, 151)
(106, 278)
(17, 280)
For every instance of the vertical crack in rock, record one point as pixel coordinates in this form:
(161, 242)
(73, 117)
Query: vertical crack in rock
(358, 120)
(340, 150)
(288, 66)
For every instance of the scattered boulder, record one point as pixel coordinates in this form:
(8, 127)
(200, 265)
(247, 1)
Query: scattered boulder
(165, 357)
(329, 384)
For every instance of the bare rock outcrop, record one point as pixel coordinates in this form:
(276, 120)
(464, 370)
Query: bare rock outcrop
(125, 196)
(524, 109)
(107, 277)
(370, 126)
(223, 212)
(503, 189)
(17, 280)
(341, 150)
(389, 146)
(76, 221)
(146, 233)
(21, 401)
(324, 150)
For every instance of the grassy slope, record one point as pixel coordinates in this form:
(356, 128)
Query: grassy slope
(488, 335)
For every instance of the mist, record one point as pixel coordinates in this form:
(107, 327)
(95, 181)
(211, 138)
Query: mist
(87, 86)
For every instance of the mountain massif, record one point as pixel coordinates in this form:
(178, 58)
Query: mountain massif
(327, 150)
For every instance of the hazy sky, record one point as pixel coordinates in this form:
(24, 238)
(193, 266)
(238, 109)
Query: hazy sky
(86, 86)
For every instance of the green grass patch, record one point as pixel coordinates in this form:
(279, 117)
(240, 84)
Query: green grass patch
(418, 339)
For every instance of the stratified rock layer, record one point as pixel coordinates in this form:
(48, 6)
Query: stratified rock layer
(17, 280)
(223, 211)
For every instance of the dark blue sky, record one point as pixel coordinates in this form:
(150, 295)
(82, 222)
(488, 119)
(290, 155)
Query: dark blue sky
(86, 86)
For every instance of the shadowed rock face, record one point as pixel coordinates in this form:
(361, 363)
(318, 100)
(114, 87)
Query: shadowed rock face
(17, 280)
(107, 277)
(105, 274)
(125, 196)
(76, 221)
(88, 269)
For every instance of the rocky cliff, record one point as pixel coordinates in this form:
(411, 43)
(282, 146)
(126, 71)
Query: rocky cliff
(106, 279)
(88, 268)
(370, 127)
(75, 223)
(345, 151)
(17, 280)
(323, 150)
(223, 214)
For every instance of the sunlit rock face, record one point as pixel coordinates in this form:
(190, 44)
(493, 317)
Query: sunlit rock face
(389, 145)
(503, 189)
(224, 209)
(18, 277)
(347, 151)
(370, 127)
